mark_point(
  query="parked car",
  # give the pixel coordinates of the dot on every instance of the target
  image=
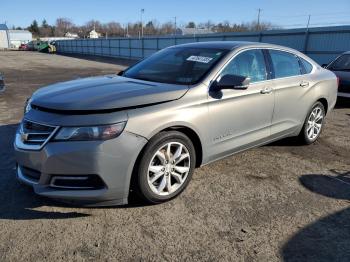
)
(93, 140)
(2, 83)
(341, 67)
(23, 47)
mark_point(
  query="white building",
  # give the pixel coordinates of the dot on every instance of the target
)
(94, 34)
(71, 35)
(4, 38)
(55, 38)
(18, 37)
(13, 38)
(193, 31)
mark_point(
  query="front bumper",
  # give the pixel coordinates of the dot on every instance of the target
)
(112, 161)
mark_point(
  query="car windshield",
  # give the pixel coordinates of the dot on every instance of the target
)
(341, 64)
(184, 66)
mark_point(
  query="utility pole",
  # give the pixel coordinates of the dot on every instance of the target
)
(308, 22)
(306, 41)
(175, 25)
(259, 12)
(142, 11)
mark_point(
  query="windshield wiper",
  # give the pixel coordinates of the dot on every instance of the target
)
(151, 79)
(143, 78)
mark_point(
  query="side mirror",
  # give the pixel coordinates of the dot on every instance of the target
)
(324, 65)
(120, 73)
(231, 82)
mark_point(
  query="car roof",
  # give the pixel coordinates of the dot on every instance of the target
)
(346, 53)
(229, 45)
(232, 45)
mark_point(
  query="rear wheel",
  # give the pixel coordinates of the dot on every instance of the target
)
(166, 167)
(313, 124)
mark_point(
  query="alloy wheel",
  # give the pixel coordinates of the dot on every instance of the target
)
(314, 123)
(168, 168)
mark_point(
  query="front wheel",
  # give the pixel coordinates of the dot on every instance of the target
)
(166, 167)
(313, 124)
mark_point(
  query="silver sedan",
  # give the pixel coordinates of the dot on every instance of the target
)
(95, 140)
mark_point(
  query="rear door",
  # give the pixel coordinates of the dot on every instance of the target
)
(291, 86)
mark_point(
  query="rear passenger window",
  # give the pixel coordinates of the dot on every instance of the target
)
(308, 67)
(284, 64)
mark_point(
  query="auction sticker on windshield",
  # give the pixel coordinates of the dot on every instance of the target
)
(200, 59)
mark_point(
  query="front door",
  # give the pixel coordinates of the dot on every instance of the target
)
(241, 118)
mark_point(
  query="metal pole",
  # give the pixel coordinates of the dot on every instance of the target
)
(142, 11)
(308, 22)
(306, 41)
(175, 25)
(259, 11)
(175, 32)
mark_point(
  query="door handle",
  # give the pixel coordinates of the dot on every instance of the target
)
(304, 84)
(266, 90)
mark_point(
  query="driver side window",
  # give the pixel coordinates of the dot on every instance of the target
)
(250, 64)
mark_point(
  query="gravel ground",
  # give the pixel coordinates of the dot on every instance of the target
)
(280, 202)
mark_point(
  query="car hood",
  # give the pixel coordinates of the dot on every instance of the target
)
(110, 92)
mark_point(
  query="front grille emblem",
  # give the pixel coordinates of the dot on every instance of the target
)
(33, 136)
(24, 137)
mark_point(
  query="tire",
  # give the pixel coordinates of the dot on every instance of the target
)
(313, 124)
(157, 167)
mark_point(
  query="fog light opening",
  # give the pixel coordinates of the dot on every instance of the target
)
(88, 182)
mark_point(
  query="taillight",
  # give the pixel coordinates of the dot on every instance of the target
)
(338, 81)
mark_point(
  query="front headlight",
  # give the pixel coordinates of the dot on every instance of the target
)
(89, 133)
(27, 105)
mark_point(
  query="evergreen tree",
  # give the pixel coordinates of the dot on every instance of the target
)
(34, 28)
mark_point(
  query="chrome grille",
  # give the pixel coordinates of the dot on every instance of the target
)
(34, 135)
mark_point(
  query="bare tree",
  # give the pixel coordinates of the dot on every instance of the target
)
(45, 29)
(261, 26)
(113, 29)
(152, 27)
(167, 28)
(62, 26)
(207, 25)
